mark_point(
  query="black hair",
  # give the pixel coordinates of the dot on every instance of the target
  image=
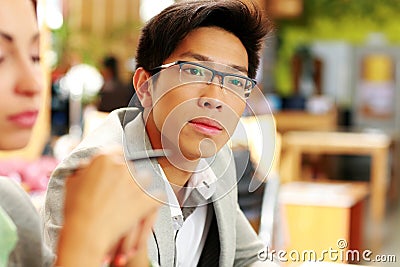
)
(163, 33)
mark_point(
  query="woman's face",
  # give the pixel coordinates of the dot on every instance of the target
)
(20, 73)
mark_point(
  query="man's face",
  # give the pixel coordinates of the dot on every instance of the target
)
(199, 119)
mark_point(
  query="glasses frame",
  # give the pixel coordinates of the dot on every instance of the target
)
(214, 72)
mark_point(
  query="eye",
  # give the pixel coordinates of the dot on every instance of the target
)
(236, 82)
(194, 71)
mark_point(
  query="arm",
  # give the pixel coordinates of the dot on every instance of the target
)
(52, 212)
(110, 133)
(103, 205)
(30, 249)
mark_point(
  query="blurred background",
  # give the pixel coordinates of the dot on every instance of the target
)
(331, 74)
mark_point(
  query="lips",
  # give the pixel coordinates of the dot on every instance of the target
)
(206, 126)
(24, 119)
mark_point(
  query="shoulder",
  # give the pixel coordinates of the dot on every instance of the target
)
(12, 194)
(30, 249)
(16, 202)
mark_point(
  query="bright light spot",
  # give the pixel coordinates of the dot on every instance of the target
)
(131, 64)
(150, 8)
(40, 15)
(81, 80)
(54, 18)
(51, 58)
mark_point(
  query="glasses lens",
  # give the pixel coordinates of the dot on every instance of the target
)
(203, 73)
(194, 73)
(239, 84)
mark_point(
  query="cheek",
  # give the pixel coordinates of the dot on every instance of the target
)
(8, 84)
(3, 124)
(38, 72)
(237, 104)
(173, 107)
(7, 100)
(169, 117)
(161, 110)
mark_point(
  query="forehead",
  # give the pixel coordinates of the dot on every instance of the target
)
(213, 44)
(17, 18)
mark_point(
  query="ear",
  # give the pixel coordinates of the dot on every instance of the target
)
(142, 87)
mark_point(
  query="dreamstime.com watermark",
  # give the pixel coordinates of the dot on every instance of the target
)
(338, 254)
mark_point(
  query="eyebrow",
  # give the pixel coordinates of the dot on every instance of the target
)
(10, 39)
(200, 57)
(6, 37)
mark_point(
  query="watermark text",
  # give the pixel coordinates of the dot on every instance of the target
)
(338, 254)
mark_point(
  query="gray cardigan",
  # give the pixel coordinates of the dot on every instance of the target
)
(239, 243)
(30, 250)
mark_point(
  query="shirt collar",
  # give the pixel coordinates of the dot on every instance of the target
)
(203, 179)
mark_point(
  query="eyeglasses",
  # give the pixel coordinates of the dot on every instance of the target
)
(192, 72)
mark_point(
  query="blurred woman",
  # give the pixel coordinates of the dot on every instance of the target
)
(90, 235)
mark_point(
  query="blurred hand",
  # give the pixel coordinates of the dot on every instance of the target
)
(105, 209)
(132, 249)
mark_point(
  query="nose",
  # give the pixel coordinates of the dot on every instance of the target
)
(210, 103)
(29, 81)
(211, 95)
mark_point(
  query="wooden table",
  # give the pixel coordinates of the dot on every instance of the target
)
(305, 121)
(375, 145)
(323, 215)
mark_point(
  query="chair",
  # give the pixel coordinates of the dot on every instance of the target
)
(269, 208)
(258, 135)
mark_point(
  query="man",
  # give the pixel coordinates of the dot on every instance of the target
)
(195, 64)
(114, 93)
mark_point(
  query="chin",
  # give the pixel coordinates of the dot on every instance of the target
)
(204, 150)
(15, 142)
(12, 146)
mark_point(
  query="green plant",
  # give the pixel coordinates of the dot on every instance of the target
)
(346, 20)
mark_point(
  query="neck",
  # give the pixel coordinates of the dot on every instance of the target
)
(177, 168)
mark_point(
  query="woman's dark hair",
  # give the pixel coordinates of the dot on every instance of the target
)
(34, 3)
(164, 32)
